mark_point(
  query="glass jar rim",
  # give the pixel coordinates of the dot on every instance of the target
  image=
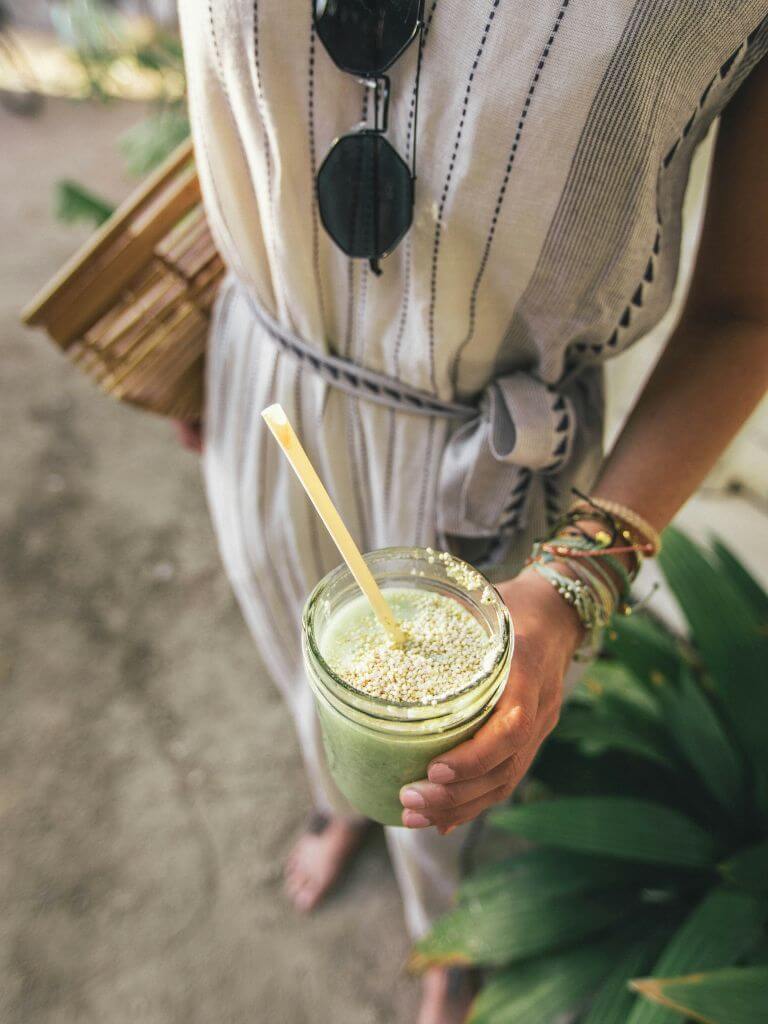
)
(381, 554)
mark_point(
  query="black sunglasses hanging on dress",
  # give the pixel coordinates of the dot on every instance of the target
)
(365, 189)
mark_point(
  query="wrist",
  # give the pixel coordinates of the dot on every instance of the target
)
(542, 607)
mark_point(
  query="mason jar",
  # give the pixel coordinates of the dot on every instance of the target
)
(375, 746)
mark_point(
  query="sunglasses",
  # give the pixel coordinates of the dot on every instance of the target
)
(364, 187)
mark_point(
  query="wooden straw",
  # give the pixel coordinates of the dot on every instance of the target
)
(286, 437)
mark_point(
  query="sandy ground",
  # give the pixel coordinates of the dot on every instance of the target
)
(150, 784)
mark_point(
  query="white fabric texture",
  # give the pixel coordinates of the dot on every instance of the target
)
(554, 144)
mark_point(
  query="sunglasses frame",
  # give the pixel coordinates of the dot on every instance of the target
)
(373, 80)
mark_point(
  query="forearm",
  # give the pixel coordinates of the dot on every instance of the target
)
(708, 380)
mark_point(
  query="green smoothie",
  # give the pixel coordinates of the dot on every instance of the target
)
(445, 648)
(386, 712)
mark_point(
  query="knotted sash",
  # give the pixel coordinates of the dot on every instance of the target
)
(519, 426)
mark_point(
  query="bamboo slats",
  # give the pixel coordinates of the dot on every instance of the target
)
(132, 307)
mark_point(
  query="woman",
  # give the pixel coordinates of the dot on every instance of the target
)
(553, 149)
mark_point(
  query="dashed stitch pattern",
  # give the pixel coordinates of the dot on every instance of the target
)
(454, 373)
(313, 171)
(625, 320)
(446, 188)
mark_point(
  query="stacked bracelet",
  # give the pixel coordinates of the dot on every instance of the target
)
(587, 574)
(647, 535)
(580, 596)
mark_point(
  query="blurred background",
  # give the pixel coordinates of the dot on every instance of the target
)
(150, 783)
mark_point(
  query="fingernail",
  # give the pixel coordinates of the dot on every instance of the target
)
(412, 798)
(441, 773)
(414, 820)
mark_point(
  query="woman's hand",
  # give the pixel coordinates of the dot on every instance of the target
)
(190, 434)
(486, 769)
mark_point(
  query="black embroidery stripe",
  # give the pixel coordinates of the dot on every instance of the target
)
(314, 530)
(359, 336)
(535, 78)
(346, 375)
(403, 309)
(412, 107)
(267, 454)
(389, 460)
(446, 189)
(215, 39)
(352, 345)
(425, 482)
(222, 348)
(362, 476)
(637, 299)
(313, 172)
(350, 338)
(581, 254)
(233, 254)
(607, 111)
(350, 307)
(552, 501)
(362, 304)
(408, 240)
(353, 411)
(353, 431)
(618, 143)
(262, 108)
(267, 601)
(362, 482)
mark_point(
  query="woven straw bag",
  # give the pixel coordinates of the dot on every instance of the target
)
(132, 307)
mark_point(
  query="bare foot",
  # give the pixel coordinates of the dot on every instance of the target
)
(445, 996)
(317, 859)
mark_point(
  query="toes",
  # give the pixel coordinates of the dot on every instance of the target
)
(293, 884)
(306, 898)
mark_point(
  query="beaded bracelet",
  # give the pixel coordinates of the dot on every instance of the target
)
(581, 545)
(596, 583)
(598, 593)
(593, 592)
(583, 600)
(648, 534)
(601, 582)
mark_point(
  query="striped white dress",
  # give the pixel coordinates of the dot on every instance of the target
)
(554, 144)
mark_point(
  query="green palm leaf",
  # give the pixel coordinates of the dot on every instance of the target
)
(750, 590)
(596, 732)
(636, 830)
(759, 955)
(737, 995)
(647, 650)
(749, 868)
(605, 681)
(725, 925)
(699, 734)
(614, 1001)
(727, 633)
(508, 925)
(540, 990)
(549, 873)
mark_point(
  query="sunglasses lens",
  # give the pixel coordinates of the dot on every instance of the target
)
(365, 195)
(365, 36)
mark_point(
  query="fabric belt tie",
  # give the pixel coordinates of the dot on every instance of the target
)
(519, 427)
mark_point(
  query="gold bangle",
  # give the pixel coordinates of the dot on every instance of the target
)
(628, 516)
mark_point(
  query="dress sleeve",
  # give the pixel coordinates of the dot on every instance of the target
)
(745, 59)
